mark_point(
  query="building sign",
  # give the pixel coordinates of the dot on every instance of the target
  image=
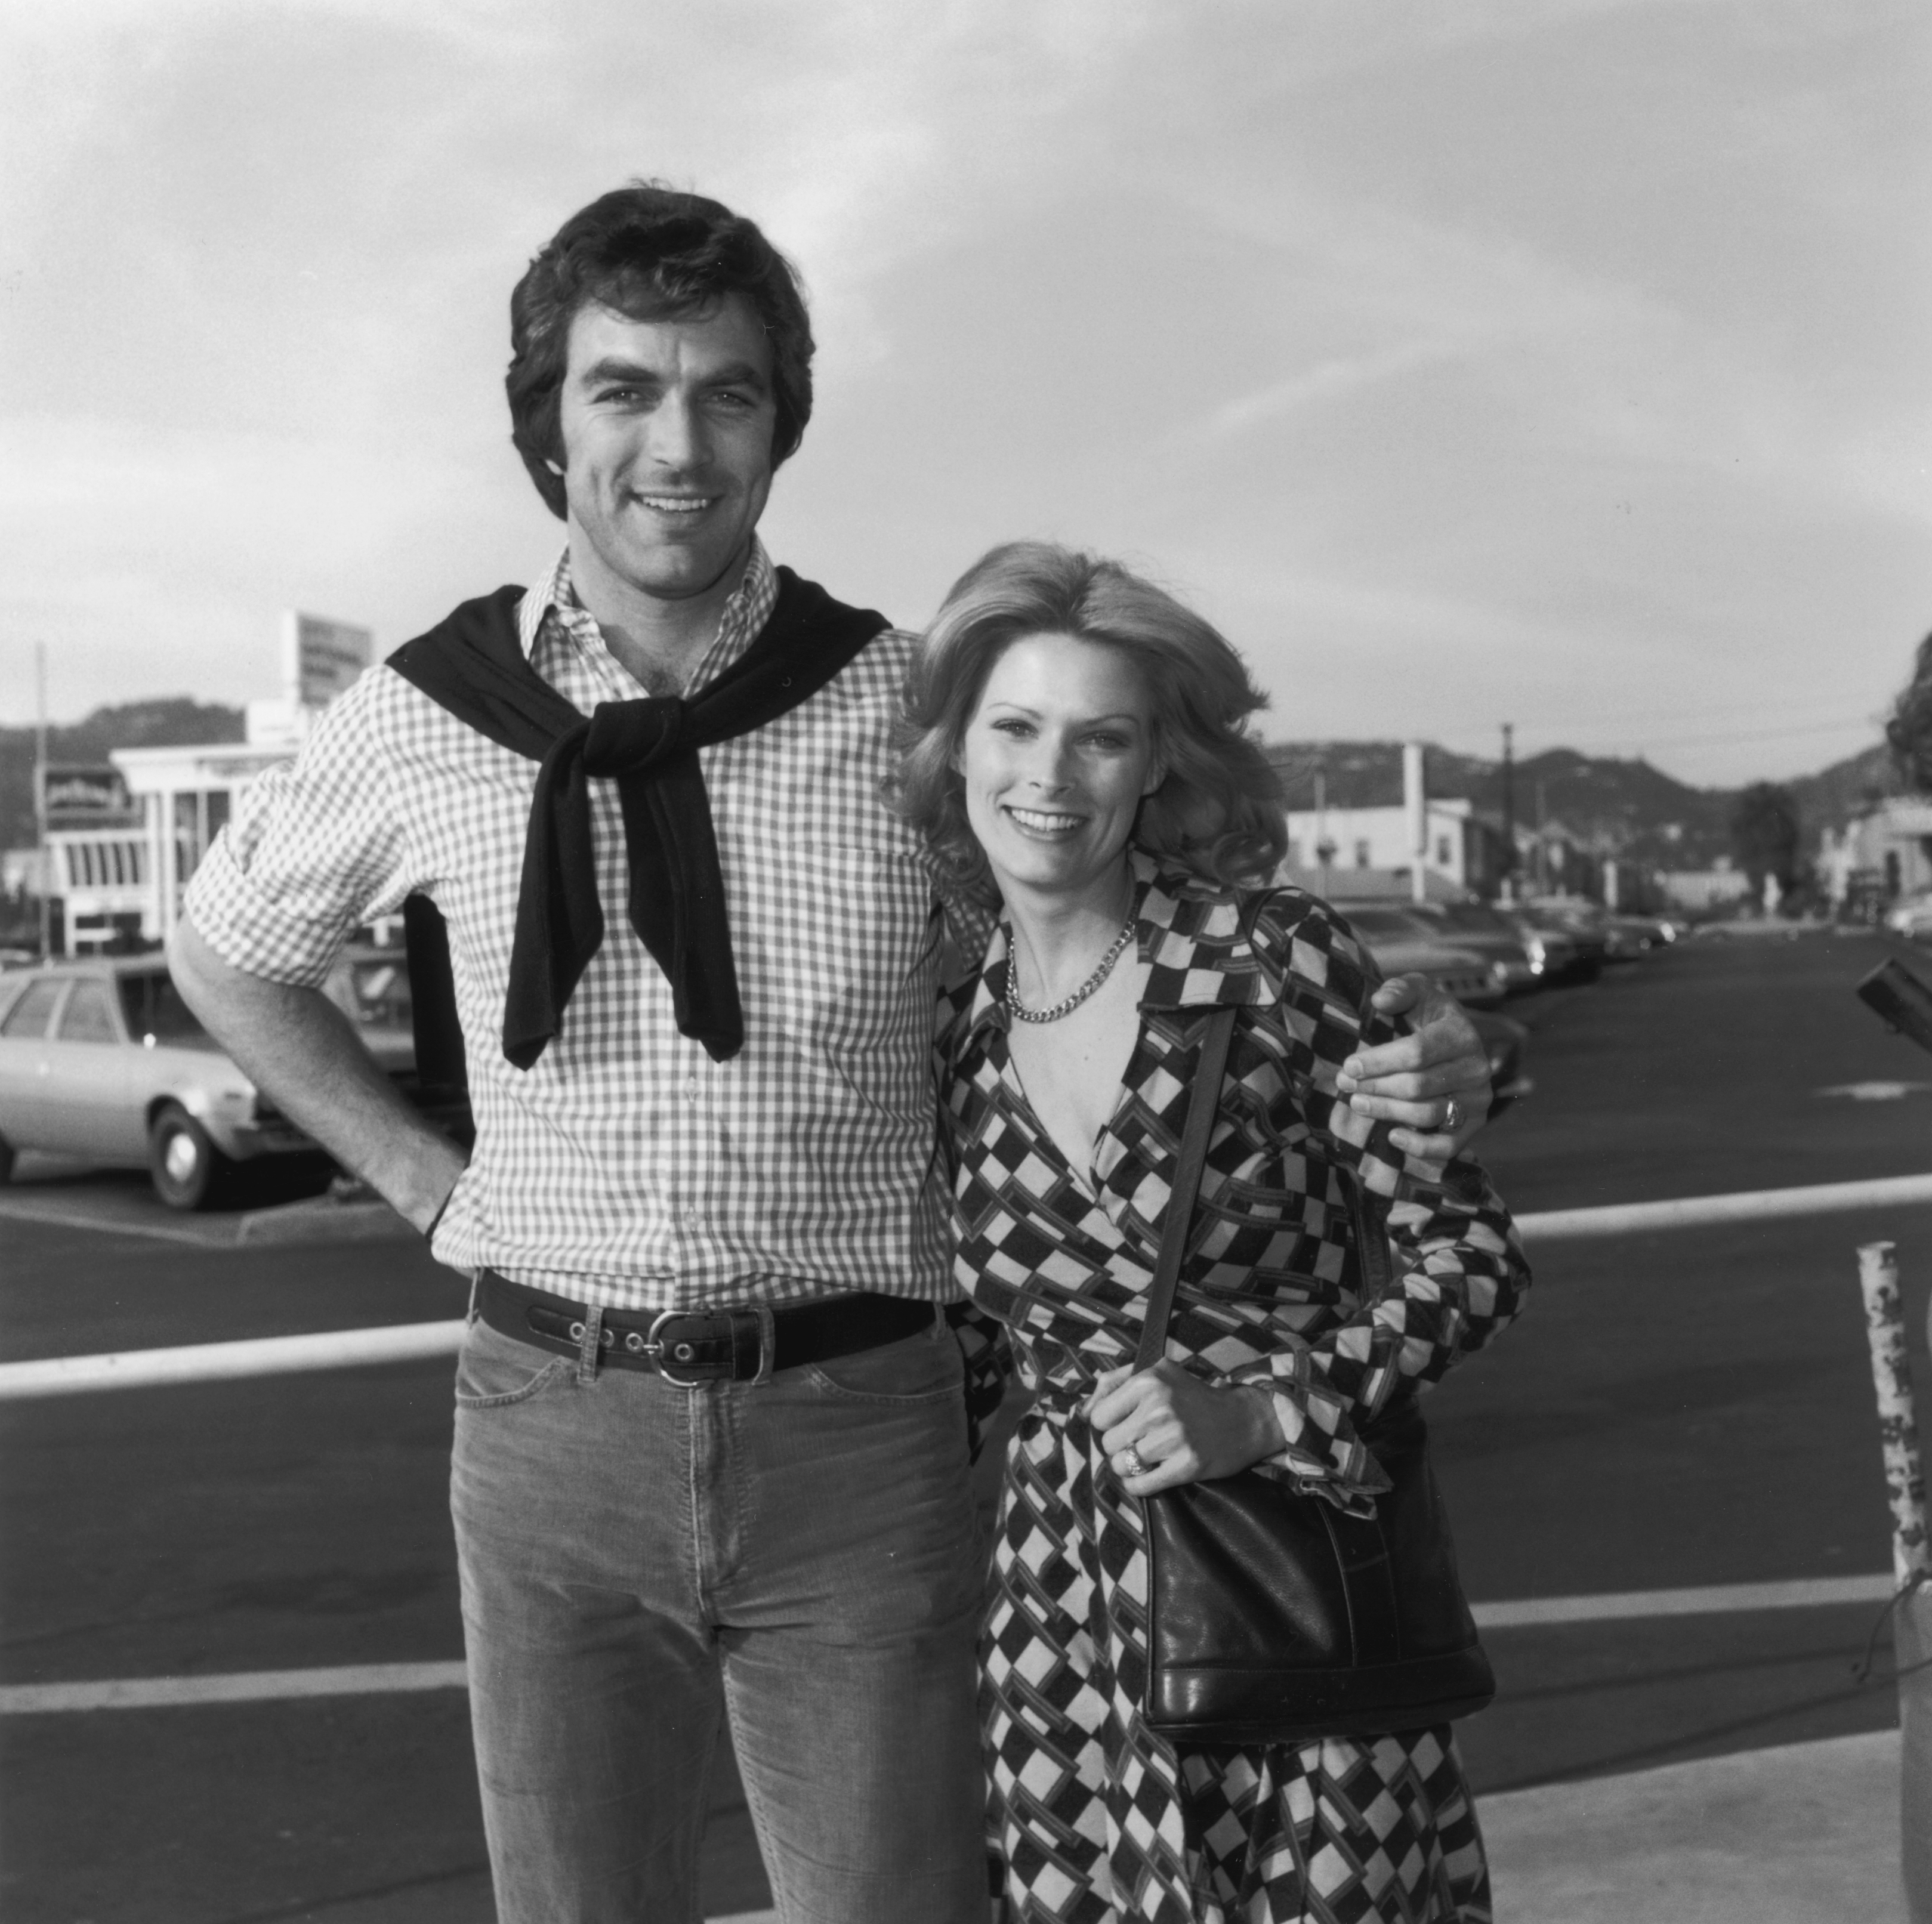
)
(321, 658)
(86, 798)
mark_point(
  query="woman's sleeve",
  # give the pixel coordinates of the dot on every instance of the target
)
(1459, 1272)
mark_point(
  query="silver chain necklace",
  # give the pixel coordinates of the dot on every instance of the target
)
(1068, 1004)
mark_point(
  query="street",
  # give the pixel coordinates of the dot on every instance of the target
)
(1676, 1410)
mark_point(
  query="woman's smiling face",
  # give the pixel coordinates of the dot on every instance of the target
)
(1056, 760)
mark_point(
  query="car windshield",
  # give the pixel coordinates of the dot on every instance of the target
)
(1473, 916)
(1387, 921)
(156, 1014)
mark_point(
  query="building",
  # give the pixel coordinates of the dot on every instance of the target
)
(123, 841)
(1885, 852)
(1361, 852)
(1698, 890)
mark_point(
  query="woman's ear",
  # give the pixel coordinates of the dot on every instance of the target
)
(1156, 774)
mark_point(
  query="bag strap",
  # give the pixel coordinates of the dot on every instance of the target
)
(1204, 1103)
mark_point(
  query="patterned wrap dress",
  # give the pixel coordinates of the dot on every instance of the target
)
(1093, 1818)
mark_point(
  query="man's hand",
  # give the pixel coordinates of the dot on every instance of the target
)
(1436, 1082)
(295, 1045)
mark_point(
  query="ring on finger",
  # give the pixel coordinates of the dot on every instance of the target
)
(1131, 1463)
(1452, 1114)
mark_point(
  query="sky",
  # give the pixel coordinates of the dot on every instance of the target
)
(1562, 362)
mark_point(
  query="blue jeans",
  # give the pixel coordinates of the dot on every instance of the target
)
(800, 1555)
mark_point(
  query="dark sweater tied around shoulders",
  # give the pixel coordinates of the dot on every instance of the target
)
(473, 665)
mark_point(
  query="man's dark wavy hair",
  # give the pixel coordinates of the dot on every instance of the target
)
(651, 254)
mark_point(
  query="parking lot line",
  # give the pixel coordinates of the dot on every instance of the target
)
(1803, 1593)
(149, 1693)
(250, 1686)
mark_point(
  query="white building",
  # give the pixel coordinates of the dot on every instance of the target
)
(1370, 845)
(118, 884)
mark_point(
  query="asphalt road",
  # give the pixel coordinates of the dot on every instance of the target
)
(1675, 1410)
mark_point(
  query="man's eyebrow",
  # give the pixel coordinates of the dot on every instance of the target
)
(634, 374)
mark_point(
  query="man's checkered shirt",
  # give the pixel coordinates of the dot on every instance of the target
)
(626, 1167)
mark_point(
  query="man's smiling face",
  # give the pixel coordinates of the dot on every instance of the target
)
(666, 428)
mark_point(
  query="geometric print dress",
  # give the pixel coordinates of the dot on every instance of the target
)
(1094, 1819)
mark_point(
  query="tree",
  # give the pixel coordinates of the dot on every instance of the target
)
(1764, 835)
(1909, 732)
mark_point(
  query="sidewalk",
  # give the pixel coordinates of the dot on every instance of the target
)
(1806, 1834)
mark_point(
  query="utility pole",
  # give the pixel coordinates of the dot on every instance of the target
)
(1415, 806)
(43, 861)
(1324, 849)
(1509, 812)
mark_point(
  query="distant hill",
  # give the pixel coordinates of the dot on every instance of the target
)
(1627, 808)
(174, 722)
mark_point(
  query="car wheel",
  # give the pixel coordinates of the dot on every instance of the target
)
(185, 1168)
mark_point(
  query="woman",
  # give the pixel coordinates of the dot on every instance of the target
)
(1074, 745)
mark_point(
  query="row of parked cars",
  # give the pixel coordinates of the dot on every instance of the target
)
(101, 1059)
(1482, 953)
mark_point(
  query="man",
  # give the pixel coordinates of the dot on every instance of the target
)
(710, 1453)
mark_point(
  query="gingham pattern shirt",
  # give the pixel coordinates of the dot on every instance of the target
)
(626, 1167)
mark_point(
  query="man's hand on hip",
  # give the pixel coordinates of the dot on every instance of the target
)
(1434, 1082)
(297, 1047)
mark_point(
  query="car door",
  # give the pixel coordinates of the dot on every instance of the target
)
(89, 1112)
(24, 1064)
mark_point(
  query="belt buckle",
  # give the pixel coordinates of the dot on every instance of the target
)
(657, 1350)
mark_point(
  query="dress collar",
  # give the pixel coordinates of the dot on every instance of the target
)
(1188, 930)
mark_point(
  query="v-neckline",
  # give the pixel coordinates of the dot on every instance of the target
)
(1089, 1178)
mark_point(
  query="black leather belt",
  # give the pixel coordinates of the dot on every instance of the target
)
(690, 1346)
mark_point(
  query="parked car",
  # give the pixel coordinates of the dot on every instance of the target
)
(1911, 916)
(1573, 946)
(102, 1060)
(1505, 1043)
(1401, 948)
(1477, 926)
(1629, 937)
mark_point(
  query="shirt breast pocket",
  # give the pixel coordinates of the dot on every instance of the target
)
(851, 964)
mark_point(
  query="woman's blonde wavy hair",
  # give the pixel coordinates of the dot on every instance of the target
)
(1218, 810)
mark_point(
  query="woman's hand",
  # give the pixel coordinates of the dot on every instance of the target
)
(1434, 1082)
(1183, 1429)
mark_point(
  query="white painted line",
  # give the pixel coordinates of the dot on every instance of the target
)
(1805, 1593)
(747, 1917)
(1742, 1206)
(259, 1686)
(254, 1686)
(203, 1363)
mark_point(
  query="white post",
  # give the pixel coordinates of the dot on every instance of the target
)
(1911, 1631)
(1415, 802)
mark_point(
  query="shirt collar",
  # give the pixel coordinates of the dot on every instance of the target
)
(746, 610)
(1189, 931)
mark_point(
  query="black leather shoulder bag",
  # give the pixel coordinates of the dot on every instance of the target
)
(1273, 1617)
